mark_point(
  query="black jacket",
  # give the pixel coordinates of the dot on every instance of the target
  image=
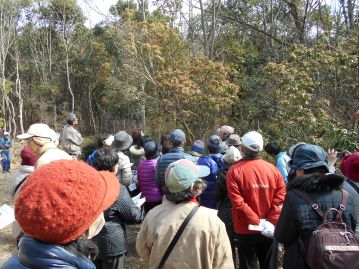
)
(111, 241)
(299, 219)
(224, 206)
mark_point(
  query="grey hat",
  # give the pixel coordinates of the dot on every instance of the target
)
(177, 135)
(71, 117)
(234, 140)
(122, 140)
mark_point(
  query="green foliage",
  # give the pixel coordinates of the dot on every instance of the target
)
(301, 94)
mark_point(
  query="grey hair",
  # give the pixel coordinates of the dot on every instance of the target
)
(187, 194)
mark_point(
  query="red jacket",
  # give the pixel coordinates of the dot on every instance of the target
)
(257, 190)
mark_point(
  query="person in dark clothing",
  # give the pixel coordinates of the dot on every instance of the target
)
(214, 162)
(111, 241)
(298, 219)
(165, 143)
(136, 151)
(220, 194)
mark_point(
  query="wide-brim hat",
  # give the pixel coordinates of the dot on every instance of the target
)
(60, 200)
(122, 141)
(38, 130)
(307, 156)
(233, 155)
(234, 140)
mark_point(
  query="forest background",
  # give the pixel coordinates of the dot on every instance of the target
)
(288, 68)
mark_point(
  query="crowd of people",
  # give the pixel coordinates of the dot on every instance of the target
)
(218, 204)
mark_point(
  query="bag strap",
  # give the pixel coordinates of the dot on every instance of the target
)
(343, 202)
(309, 200)
(355, 187)
(20, 183)
(177, 236)
(315, 206)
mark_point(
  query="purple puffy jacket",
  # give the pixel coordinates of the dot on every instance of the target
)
(146, 179)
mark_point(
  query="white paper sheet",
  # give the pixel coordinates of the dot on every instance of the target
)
(138, 200)
(7, 215)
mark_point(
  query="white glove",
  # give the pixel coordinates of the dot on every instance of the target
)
(268, 229)
(258, 227)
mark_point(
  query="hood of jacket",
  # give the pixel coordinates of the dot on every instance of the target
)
(316, 183)
(26, 169)
(35, 254)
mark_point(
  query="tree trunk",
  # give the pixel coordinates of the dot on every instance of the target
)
(204, 30)
(19, 92)
(345, 14)
(3, 87)
(92, 118)
(143, 107)
(68, 79)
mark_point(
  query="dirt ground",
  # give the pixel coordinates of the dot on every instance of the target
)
(7, 243)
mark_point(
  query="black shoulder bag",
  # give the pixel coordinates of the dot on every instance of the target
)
(355, 187)
(177, 236)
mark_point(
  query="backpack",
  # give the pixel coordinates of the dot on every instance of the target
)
(332, 244)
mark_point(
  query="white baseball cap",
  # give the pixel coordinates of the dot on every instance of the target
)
(253, 141)
(38, 130)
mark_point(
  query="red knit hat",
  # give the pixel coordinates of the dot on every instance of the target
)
(60, 200)
(27, 156)
(350, 166)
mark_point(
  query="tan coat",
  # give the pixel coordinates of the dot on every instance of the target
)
(48, 153)
(203, 244)
(71, 140)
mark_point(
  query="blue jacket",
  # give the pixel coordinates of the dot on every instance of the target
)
(5, 143)
(33, 255)
(282, 160)
(218, 159)
(175, 154)
(207, 198)
(91, 157)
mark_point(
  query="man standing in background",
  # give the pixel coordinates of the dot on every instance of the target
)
(71, 138)
(256, 190)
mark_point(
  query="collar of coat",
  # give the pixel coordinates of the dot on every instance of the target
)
(316, 183)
